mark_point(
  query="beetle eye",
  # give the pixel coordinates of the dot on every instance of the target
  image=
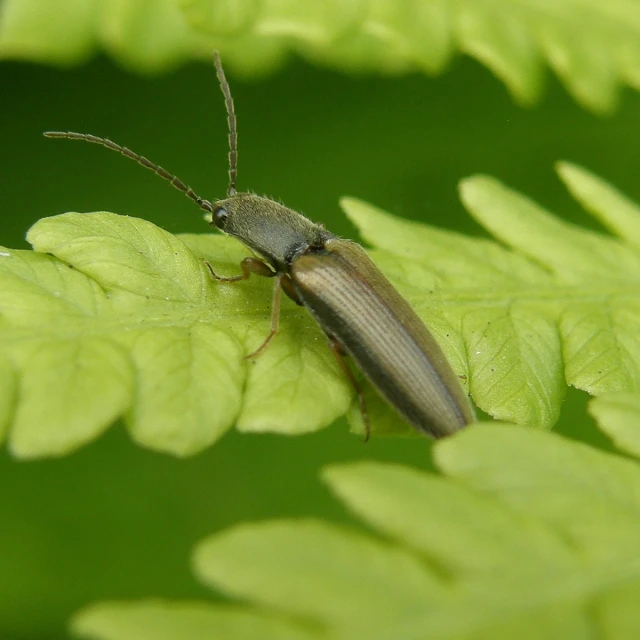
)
(220, 217)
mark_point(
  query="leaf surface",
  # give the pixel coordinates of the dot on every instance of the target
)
(593, 47)
(525, 534)
(548, 304)
(166, 620)
(113, 317)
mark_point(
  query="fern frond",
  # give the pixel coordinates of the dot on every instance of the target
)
(551, 304)
(525, 534)
(594, 48)
(113, 317)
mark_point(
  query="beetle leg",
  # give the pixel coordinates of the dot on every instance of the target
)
(275, 316)
(339, 353)
(247, 266)
(288, 288)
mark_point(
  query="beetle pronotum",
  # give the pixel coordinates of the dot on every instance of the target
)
(359, 310)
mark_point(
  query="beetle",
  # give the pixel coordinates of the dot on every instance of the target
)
(359, 310)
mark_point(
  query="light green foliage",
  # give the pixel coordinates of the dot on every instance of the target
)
(147, 35)
(617, 414)
(559, 305)
(594, 47)
(165, 620)
(112, 316)
(525, 535)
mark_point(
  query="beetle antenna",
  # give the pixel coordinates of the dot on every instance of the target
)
(157, 169)
(231, 122)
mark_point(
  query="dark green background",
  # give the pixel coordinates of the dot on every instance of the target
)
(116, 521)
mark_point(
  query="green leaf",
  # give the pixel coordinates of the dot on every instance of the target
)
(591, 499)
(37, 30)
(512, 347)
(559, 303)
(165, 620)
(615, 211)
(7, 394)
(581, 49)
(618, 415)
(501, 39)
(388, 497)
(594, 48)
(188, 391)
(347, 576)
(526, 535)
(529, 535)
(149, 35)
(137, 329)
(295, 386)
(567, 251)
(70, 391)
(121, 319)
(222, 18)
(122, 253)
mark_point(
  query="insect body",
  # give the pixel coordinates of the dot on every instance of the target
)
(357, 307)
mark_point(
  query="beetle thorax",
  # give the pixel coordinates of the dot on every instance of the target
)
(272, 230)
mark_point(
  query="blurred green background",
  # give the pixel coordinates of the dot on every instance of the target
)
(116, 521)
